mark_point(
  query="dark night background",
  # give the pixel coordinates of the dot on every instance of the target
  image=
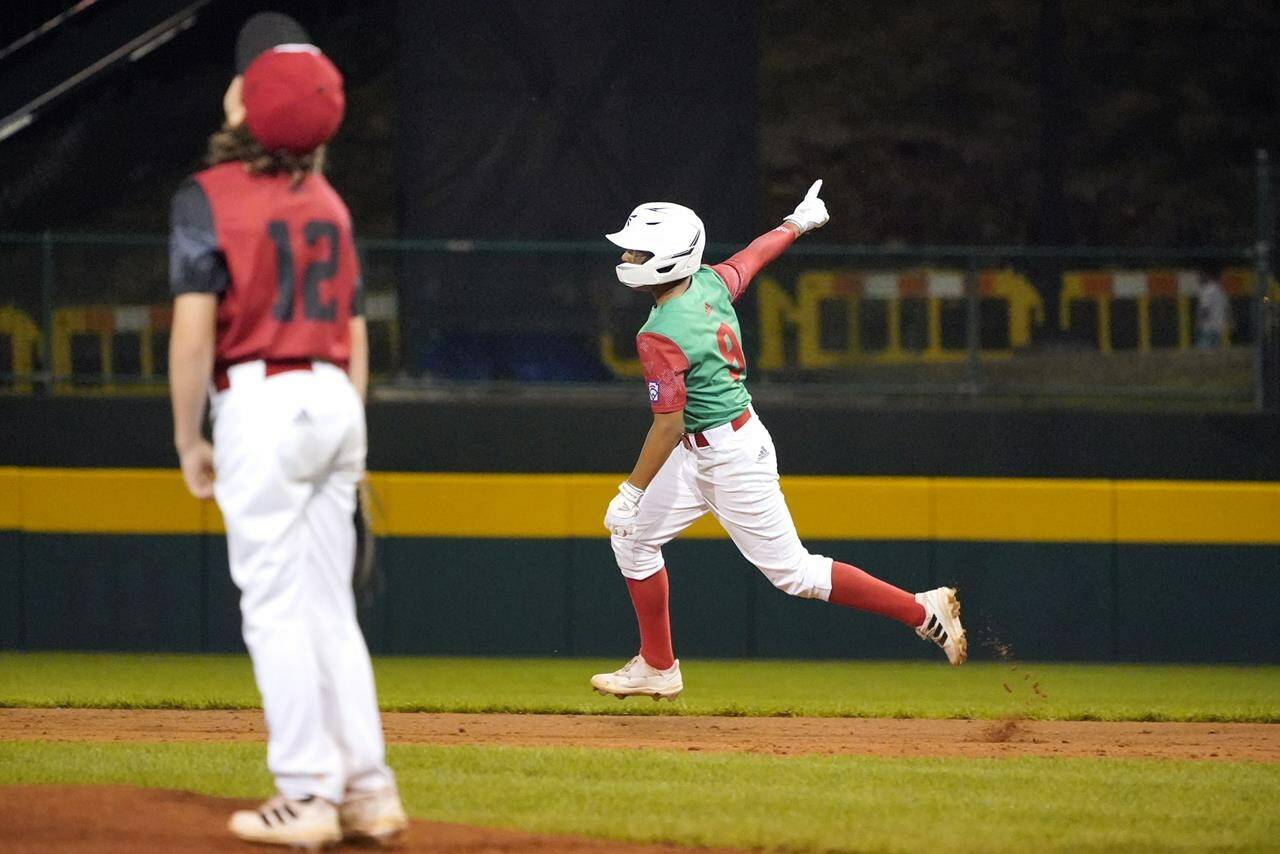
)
(1084, 125)
(991, 121)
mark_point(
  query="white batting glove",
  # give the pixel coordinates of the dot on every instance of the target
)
(811, 213)
(620, 518)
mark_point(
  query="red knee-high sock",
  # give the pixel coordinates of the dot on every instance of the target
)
(853, 588)
(650, 600)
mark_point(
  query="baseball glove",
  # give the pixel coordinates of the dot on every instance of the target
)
(365, 578)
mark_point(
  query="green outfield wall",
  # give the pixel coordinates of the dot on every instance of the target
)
(507, 564)
(504, 432)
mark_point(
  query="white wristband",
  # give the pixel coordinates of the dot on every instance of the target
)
(631, 492)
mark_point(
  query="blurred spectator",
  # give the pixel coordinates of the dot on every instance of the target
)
(1213, 315)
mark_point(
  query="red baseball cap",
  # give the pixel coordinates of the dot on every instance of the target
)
(293, 98)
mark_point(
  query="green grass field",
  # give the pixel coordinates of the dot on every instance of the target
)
(852, 689)
(743, 800)
(751, 801)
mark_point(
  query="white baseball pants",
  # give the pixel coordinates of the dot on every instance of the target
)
(288, 452)
(735, 478)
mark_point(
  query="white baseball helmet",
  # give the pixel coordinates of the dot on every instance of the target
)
(674, 235)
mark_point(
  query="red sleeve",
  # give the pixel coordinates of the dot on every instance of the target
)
(664, 366)
(738, 271)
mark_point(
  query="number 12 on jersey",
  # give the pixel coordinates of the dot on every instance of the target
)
(317, 272)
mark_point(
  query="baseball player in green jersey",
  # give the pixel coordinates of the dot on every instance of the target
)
(708, 451)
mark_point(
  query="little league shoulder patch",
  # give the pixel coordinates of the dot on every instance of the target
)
(653, 392)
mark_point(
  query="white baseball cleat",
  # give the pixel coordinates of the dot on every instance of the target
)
(942, 623)
(637, 678)
(373, 816)
(310, 823)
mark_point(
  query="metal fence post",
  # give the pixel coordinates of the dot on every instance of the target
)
(1262, 272)
(46, 304)
(973, 326)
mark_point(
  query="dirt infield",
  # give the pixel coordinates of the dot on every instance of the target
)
(779, 736)
(124, 819)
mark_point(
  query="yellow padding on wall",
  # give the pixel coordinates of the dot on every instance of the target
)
(1024, 509)
(1154, 511)
(10, 499)
(110, 501)
(862, 508)
(146, 501)
(461, 505)
(558, 506)
(536, 506)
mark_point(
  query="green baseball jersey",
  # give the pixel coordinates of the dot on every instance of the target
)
(691, 352)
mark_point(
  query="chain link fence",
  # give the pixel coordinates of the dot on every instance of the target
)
(85, 313)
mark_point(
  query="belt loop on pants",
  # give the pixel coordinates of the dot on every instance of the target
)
(701, 440)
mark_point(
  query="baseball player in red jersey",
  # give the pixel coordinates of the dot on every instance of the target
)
(267, 320)
(707, 450)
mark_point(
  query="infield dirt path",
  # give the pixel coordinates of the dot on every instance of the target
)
(779, 736)
(125, 820)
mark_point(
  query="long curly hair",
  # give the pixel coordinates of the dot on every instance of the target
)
(237, 144)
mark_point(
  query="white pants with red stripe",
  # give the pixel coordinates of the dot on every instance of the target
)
(289, 451)
(735, 478)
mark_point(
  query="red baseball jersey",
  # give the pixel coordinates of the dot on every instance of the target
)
(281, 258)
